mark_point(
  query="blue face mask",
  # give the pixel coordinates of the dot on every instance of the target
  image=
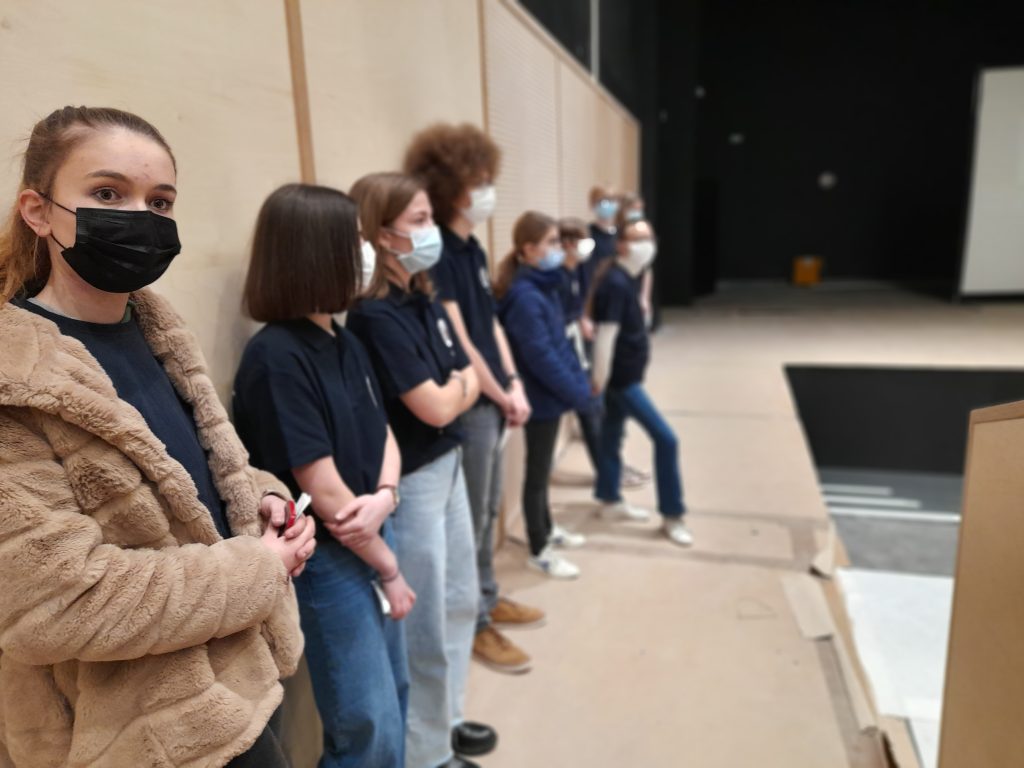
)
(636, 214)
(606, 209)
(553, 259)
(426, 249)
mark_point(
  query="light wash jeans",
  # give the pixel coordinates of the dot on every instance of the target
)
(357, 659)
(434, 541)
(482, 426)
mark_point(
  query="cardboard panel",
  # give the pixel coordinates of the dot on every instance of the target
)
(214, 79)
(985, 674)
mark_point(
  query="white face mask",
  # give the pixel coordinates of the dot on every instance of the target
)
(369, 263)
(482, 202)
(639, 257)
(426, 249)
(584, 248)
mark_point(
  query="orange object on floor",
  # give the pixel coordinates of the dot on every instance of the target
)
(807, 270)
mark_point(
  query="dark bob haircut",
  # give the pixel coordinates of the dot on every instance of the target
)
(305, 254)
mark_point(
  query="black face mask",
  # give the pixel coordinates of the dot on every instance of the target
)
(120, 251)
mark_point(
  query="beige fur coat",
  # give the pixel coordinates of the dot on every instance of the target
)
(131, 634)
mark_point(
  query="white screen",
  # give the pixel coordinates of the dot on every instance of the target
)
(994, 254)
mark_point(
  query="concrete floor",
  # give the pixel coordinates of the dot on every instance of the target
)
(926, 546)
(659, 656)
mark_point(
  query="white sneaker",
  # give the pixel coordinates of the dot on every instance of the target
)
(553, 564)
(634, 478)
(564, 539)
(677, 533)
(621, 510)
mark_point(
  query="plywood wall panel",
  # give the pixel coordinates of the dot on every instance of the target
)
(522, 112)
(380, 71)
(578, 132)
(215, 79)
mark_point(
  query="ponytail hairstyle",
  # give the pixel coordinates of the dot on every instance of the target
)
(24, 257)
(529, 228)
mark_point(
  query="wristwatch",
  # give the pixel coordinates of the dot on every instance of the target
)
(394, 493)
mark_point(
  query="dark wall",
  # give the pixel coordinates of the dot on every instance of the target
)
(629, 70)
(878, 93)
(568, 21)
(674, 166)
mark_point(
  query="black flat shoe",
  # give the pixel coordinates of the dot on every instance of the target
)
(473, 739)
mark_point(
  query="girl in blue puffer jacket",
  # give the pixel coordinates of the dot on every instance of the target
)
(530, 309)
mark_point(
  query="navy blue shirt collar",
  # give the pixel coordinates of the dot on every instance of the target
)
(456, 243)
(311, 334)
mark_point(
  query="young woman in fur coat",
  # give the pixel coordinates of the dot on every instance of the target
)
(147, 614)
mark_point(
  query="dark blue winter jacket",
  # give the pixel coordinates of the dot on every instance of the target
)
(531, 313)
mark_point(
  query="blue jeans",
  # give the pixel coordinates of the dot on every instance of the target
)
(357, 659)
(482, 426)
(633, 402)
(435, 550)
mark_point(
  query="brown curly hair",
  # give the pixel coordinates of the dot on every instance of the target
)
(449, 159)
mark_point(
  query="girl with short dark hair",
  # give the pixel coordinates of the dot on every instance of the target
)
(308, 406)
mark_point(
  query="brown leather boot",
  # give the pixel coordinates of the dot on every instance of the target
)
(494, 650)
(508, 614)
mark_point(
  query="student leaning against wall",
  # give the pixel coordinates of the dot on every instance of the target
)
(458, 165)
(427, 382)
(147, 613)
(528, 288)
(308, 407)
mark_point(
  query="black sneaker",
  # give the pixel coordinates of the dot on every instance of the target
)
(473, 739)
(458, 762)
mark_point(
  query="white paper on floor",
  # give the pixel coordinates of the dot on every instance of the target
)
(901, 628)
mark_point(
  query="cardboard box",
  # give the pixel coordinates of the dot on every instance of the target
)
(984, 697)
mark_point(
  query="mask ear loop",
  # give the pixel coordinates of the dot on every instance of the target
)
(399, 233)
(51, 200)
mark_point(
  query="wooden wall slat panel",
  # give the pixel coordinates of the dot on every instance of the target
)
(522, 116)
(214, 78)
(579, 131)
(380, 71)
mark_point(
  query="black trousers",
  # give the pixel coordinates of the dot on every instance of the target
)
(540, 453)
(265, 753)
(590, 426)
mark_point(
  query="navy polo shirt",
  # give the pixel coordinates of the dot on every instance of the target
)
(617, 300)
(570, 292)
(141, 381)
(302, 394)
(410, 340)
(462, 276)
(605, 244)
